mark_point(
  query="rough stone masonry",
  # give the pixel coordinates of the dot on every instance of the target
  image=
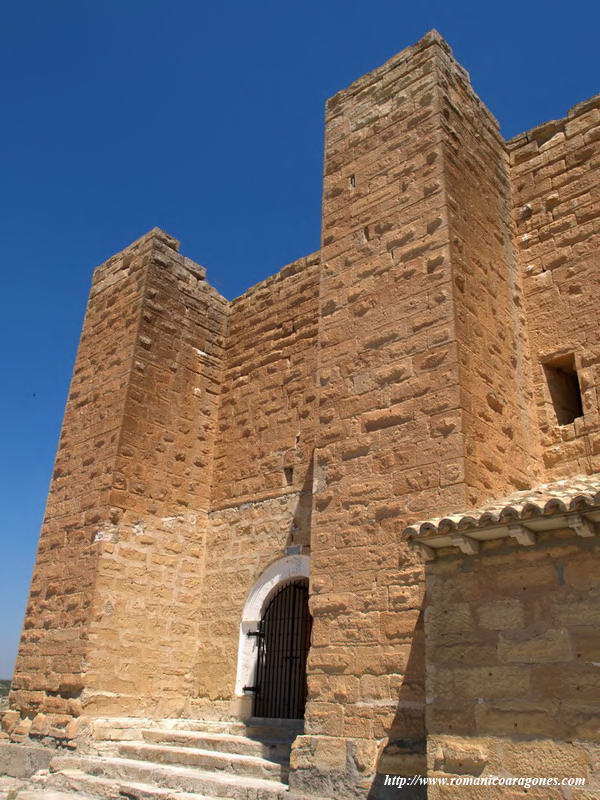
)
(409, 418)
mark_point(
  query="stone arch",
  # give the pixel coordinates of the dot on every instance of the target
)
(281, 571)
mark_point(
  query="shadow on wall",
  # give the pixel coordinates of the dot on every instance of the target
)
(299, 533)
(404, 754)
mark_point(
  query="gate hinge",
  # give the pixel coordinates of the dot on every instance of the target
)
(254, 633)
(250, 689)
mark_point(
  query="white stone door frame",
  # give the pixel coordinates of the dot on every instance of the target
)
(277, 574)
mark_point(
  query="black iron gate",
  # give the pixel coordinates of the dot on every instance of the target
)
(283, 642)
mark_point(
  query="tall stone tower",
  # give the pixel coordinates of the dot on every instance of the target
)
(425, 388)
(112, 622)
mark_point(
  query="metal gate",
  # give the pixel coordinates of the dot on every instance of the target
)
(283, 642)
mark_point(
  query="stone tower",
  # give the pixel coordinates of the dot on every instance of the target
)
(403, 425)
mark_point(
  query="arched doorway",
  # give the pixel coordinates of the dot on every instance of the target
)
(281, 573)
(283, 644)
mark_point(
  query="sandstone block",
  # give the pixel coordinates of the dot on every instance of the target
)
(559, 759)
(330, 754)
(502, 614)
(488, 682)
(525, 579)
(575, 612)
(521, 718)
(325, 719)
(531, 648)
(583, 574)
(403, 597)
(449, 618)
(460, 757)
(9, 720)
(22, 760)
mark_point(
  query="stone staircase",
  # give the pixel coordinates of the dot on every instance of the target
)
(185, 760)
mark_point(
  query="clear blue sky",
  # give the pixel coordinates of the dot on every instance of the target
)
(204, 118)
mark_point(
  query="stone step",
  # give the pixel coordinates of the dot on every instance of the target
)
(280, 730)
(213, 726)
(221, 742)
(168, 776)
(78, 781)
(234, 763)
(255, 727)
(294, 726)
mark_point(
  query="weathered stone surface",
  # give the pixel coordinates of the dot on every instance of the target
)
(524, 687)
(461, 758)
(560, 760)
(501, 615)
(22, 760)
(531, 648)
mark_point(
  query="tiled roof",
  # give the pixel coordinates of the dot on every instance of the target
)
(571, 503)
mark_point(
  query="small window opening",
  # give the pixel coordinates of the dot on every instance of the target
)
(352, 181)
(565, 392)
(289, 475)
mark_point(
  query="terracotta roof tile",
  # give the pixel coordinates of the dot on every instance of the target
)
(576, 495)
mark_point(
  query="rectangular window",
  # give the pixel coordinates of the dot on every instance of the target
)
(563, 385)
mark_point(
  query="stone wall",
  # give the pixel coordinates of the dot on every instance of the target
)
(501, 449)
(512, 651)
(556, 180)
(268, 399)
(243, 541)
(262, 487)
